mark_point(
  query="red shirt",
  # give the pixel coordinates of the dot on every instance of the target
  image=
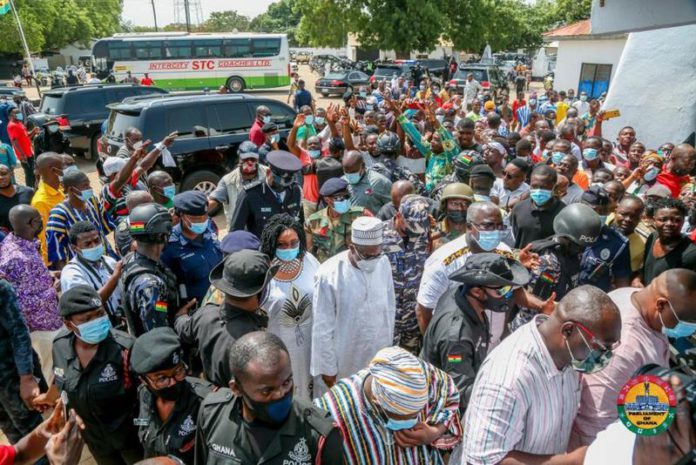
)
(672, 182)
(516, 105)
(20, 138)
(256, 135)
(310, 186)
(147, 81)
(7, 455)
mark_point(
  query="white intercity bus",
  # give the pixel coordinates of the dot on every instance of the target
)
(187, 61)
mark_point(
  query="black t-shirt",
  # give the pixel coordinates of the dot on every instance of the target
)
(682, 256)
(529, 223)
(23, 195)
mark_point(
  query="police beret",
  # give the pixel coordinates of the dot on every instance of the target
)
(158, 349)
(333, 186)
(283, 161)
(482, 170)
(79, 299)
(595, 195)
(191, 203)
(239, 240)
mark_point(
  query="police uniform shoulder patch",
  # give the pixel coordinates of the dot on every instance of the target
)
(220, 396)
(200, 387)
(123, 339)
(605, 254)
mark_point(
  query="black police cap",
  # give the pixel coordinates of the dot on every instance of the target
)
(491, 270)
(283, 161)
(78, 299)
(596, 195)
(158, 349)
(191, 203)
(333, 186)
(482, 170)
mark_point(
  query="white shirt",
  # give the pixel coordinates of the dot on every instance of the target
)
(506, 195)
(523, 401)
(471, 90)
(353, 316)
(442, 263)
(76, 272)
(614, 445)
(582, 107)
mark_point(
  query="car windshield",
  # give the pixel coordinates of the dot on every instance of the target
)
(51, 104)
(387, 71)
(119, 122)
(479, 74)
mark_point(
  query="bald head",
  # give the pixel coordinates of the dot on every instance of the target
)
(482, 212)
(25, 221)
(399, 190)
(135, 198)
(352, 162)
(592, 308)
(678, 285)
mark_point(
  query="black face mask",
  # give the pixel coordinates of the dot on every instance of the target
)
(169, 393)
(281, 182)
(456, 216)
(275, 412)
(495, 305)
(462, 175)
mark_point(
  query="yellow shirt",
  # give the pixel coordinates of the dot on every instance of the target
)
(44, 200)
(561, 111)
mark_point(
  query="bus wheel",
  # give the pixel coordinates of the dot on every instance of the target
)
(235, 84)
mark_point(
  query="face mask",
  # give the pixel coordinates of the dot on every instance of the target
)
(95, 331)
(273, 413)
(198, 228)
(440, 118)
(489, 240)
(583, 98)
(281, 181)
(86, 195)
(532, 102)
(266, 119)
(309, 120)
(93, 254)
(422, 88)
(287, 255)
(682, 329)
(314, 154)
(594, 362)
(70, 169)
(651, 174)
(319, 120)
(557, 157)
(540, 196)
(398, 425)
(456, 216)
(52, 129)
(368, 266)
(20, 117)
(680, 171)
(481, 198)
(363, 94)
(496, 305)
(589, 154)
(341, 206)
(352, 178)
(169, 393)
(275, 138)
(169, 191)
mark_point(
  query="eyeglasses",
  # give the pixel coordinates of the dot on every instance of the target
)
(504, 292)
(178, 373)
(593, 341)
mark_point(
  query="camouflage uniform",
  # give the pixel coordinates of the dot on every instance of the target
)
(330, 236)
(407, 263)
(442, 235)
(462, 163)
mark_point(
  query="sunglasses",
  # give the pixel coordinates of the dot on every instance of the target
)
(504, 292)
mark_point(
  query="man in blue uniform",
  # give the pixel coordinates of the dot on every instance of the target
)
(278, 193)
(193, 249)
(607, 263)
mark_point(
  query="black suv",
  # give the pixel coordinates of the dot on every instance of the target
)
(210, 126)
(83, 110)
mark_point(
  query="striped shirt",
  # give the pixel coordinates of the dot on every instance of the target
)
(366, 441)
(520, 401)
(61, 219)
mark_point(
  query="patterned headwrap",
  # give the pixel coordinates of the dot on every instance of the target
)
(399, 382)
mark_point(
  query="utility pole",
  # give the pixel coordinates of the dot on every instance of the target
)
(188, 15)
(154, 14)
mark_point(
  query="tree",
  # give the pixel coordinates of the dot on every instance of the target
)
(49, 24)
(225, 21)
(281, 17)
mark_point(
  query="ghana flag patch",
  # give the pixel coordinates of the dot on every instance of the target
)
(548, 278)
(161, 306)
(452, 358)
(138, 226)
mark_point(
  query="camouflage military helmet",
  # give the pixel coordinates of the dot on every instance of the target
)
(415, 211)
(467, 159)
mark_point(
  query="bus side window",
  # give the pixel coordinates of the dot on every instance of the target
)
(237, 48)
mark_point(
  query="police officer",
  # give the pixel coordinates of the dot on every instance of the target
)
(278, 193)
(458, 337)
(607, 263)
(463, 164)
(454, 203)
(150, 294)
(257, 420)
(169, 400)
(328, 230)
(90, 361)
(51, 139)
(388, 149)
(193, 249)
(242, 278)
(575, 227)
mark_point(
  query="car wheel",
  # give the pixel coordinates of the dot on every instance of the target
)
(202, 180)
(235, 84)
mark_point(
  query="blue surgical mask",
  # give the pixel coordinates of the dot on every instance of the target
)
(319, 120)
(595, 361)
(557, 157)
(583, 98)
(275, 138)
(94, 254)
(651, 174)
(369, 107)
(363, 94)
(266, 119)
(481, 198)
(86, 195)
(489, 240)
(589, 154)
(169, 191)
(94, 331)
(70, 169)
(287, 255)
(682, 329)
(341, 206)
(440, 118)
(540, 196)
(398, 425)
(314, 153)
(20, 117)
(198, 228)
(352, 178)
(52, 128)
(309, 119)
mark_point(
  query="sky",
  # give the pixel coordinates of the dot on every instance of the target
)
(139, 12)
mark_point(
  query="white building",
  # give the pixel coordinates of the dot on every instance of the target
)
(585, 61)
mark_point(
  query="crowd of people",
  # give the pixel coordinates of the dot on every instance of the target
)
(416, 276)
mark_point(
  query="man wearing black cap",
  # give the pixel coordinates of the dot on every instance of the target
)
(90, 361)
(458, 338)
(169, 400)
(607, 263)
(328, 229)
(193, 249)
(261, 200)
(150, 292)
(232, 184)
(242, 277)
(51, 139)
(481, 181)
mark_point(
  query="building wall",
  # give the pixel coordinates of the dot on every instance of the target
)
(573, 53)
